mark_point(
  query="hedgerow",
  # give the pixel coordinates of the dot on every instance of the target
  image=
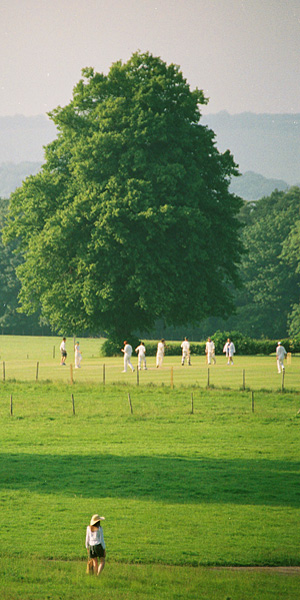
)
(244, 345)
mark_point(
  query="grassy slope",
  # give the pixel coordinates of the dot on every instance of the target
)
(216, 487)
(37, 580)
(178, 490)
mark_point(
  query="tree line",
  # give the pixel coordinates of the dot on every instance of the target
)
(130, 226)
(266, 304)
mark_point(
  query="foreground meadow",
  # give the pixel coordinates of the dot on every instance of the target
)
(182, 492)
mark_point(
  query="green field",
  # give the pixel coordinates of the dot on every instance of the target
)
(182, 493)
(25, 358)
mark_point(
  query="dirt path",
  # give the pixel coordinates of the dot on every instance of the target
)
(283, 570)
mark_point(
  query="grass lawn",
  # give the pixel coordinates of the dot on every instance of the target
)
(181, 492)
(19, 356)
(56, 580)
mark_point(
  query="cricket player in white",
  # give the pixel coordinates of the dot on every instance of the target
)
(160, 353)
(210, 351)
(229, 350)
(78, 356)
(141, 356)
(185, 346)
(63, 352)
(127, 356)
(280, 356)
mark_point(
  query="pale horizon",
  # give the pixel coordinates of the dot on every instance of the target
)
(244, 54)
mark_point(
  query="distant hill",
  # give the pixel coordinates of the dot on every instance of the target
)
(249, 186)
(264, 143)
(252, 186)
(12, 175)
(22, 138)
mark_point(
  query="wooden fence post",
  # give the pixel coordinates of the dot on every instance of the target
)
(137, 376)
(103, 374)
(130, 404)
(282, 381)
(289, 358)
(3, 370)
(244, 380)
(53, 351)
(37, 371)
(208, 377)
(252, 401)
(11, 406)
(73, 404)
(192, 404)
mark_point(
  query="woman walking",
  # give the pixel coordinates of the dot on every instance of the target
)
(94, 543)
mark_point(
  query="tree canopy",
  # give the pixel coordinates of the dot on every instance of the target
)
(11, 320)
(271, 287)
(267, 305)
(130, 218)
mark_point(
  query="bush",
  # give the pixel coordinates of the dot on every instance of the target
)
(244, 345)
(113, 348)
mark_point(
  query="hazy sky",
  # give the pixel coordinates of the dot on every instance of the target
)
(244, 54)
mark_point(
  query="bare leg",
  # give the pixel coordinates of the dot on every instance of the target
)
(95, 565)
(101, 566)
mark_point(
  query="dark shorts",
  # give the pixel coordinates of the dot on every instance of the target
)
(64, 354)
(96, 551)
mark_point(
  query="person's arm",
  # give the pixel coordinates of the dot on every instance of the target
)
(87, 539)
(102, 542)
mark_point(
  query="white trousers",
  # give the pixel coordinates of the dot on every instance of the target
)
(159, 360)
(142, 358)
(280, 365)
(127, 362)
(210, 357)
(78, 359)
(185, 355)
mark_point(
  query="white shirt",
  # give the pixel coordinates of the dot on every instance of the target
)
(141, 350)
(185, 346)
(93, 538)
(62, 346)
(280, 352)
(210, 347)
(160, 349)
(229, 349)
(128, 350)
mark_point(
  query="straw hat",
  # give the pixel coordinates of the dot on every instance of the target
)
(96, 519)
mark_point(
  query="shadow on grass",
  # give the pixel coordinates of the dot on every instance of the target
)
(169, 479)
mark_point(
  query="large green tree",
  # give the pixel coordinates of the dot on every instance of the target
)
(270, 275)
(130, 218)
(291, 257)
(11, 320)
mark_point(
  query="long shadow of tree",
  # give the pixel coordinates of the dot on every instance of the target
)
(175, 479)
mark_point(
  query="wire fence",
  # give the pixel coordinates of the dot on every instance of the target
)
(247, 373)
